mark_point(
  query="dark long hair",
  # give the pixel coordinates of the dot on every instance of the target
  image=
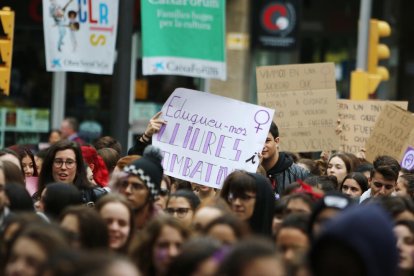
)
(241, 181)
(46, 176)
(23, 152)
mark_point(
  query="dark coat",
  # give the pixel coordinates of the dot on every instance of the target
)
(285, 172)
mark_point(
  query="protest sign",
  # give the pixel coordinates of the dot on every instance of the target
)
(408, 159)
(391, 134)
(357, 122)
(304, 97)
(80, 35)
(208, 136)
(31, 184)
(184, 38)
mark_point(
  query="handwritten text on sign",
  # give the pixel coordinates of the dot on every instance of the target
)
(357, 122)
(304, 97)
(208, 136)
(391, 134)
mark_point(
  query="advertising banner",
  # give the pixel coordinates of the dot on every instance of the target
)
(206, 136)
(184, 37)
(80, 36)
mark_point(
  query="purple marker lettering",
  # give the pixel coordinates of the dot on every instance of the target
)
(184, 115)
(187, 164)
(194, 118)
(208, 173)
(203, 120)
(177, 113)
(197, 169)
(174, 159)
(165, 159)
(167, 113)
(174, 134)
(220, 146)
(211, 123)
(208, 142)
(221, 175)
(194, 146)
(187, 137)
(161, 132)
(238, 151)
(194, 139)
(261, 117)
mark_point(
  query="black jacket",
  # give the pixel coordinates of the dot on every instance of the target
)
(138, 147)
(285, 172)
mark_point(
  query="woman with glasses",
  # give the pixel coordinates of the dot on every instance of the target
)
(64, 163)
(251, 199)
(165, 187)
(182, 205)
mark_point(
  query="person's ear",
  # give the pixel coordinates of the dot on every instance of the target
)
(277, 140)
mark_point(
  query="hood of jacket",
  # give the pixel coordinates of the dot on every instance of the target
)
(282, 164)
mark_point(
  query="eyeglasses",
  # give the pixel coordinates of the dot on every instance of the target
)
(386, 186)
(164, 192)
(181, 212)
(69, 163)
(135, 186)
(243, 197)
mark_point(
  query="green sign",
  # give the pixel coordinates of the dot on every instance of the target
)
(184, 37)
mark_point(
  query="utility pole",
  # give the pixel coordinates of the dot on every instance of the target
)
(122, 77)
(363, 34)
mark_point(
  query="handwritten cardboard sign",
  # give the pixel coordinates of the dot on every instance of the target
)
(304, 97)
(208, 136)
(357, 121)
(391, 134)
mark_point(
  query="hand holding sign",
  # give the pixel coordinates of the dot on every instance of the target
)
(154, 125)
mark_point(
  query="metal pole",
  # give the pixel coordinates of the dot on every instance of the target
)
(363, 34)
(58, 99)
(134, 55)
(122, 74)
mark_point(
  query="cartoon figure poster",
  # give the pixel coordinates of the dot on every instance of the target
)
(80, 35)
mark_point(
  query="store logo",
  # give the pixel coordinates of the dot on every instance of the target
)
(158, 66)
(278, 18)
(56, 63)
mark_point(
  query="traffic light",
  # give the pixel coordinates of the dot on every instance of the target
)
(376, 50)
(365, 83)
(6, 48)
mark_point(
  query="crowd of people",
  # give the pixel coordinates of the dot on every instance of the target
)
(79, 209)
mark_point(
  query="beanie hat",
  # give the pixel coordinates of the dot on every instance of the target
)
(367, 230)
(149, 169)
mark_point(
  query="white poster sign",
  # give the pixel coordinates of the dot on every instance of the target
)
(80, 35)
(208, 136)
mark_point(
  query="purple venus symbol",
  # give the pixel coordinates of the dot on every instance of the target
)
(261, 117)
